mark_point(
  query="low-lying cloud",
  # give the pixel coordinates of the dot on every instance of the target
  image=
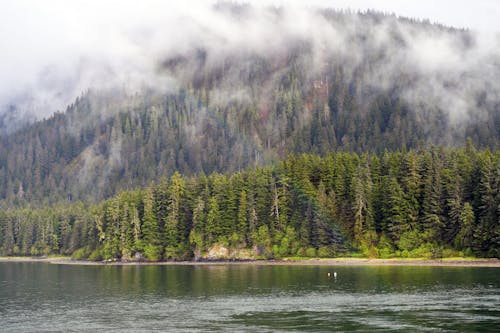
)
(47, 63)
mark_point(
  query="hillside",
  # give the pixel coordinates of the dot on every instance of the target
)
(354, 83)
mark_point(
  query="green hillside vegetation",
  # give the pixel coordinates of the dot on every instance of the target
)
(238, 111)
(340, 141)
(430, 203)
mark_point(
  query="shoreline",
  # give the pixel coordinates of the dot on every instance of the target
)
(445, 262)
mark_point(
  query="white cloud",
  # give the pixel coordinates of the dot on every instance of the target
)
(55, 49)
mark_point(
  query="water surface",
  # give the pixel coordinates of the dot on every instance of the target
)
(43, 297)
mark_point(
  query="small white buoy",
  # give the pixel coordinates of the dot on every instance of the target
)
(334, 274)
(329, 275)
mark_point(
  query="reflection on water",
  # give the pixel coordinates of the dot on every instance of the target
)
(43, 297)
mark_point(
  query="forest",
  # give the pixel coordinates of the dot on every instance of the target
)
(418, 203)
(339, 140)
(236, 110)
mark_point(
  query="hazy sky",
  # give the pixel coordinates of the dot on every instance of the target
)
(474, 14)
(53, 36)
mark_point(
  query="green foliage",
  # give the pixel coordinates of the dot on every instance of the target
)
(311, 252)
(284, 248)
(301, 252)
(213, 226)
(409, 241)
(385, 247)
(262, 236)
(306, 206)
(196, 240)
(276, 251)
(153, 252)
(95, 255)
(82, 253)
(327, 252)
(465, 235)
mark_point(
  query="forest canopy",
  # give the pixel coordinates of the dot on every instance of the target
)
(426, 203)
(341, 135)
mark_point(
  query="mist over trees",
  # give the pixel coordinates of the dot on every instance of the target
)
(225, 116)
(109, 141)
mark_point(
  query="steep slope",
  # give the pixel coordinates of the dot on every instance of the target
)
(354, 82)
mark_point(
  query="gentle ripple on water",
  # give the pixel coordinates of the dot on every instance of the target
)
(50, 298)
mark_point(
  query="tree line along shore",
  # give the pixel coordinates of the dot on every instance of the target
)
(430, 203)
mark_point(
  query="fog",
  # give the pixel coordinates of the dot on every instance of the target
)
(53, 51)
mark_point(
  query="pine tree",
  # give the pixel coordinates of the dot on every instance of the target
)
(243, 218)
(410, 185)
(394, 209)
(432, 209)
(362, 205)
(198, 232)
(464, 237)
(152, 244)
(213, 227)
(487, 208)
(173, 220)
(453, 206)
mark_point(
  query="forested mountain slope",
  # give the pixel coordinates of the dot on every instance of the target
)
(440, 202)
(356, 82)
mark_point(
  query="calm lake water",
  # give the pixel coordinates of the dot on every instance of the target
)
(42, 297)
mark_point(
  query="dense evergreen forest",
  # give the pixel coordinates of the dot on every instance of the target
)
(237, 110)
(427, 203)
(340, 142)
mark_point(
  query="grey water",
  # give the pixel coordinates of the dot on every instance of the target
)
(43, 297)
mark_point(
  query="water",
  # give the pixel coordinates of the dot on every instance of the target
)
(42, 297)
